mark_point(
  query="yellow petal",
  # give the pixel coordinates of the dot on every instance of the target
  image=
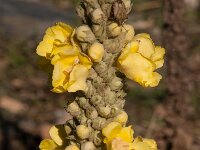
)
(146, 46)
(145, 35)
(152, 144)
(77, 80)
(61, 72)
(144, 144)
(154, 80)
(58, 77)
(141, 146)
(58, 135)
(45, 46)
(159, 53)
(119, 144)
(126, 134)
(159, 63)
(84, 60)
(48, 145)
(65, 49)
(129, 49)
(108, 130)
(61, 32)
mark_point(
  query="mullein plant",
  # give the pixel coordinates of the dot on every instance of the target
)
(87, 61)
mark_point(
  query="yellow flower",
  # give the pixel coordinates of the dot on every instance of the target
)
(57, 142)
(139, 60)
(56, 35)
(118, 137)
(71, 66)
(144, 144)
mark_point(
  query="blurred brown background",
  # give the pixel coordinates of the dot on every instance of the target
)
(28, 108)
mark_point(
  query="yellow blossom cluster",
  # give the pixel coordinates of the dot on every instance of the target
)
(71, 66)
(118, 137)
(139, 60)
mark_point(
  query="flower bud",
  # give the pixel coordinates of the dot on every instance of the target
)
(110, 96)
(84, 46)
(85, 34)
(116, 83)
(97, 138)
(93, 74)
(82, 119)
(82, 131)
(97, 100)
(114, 111)
(98, 123)
(106, 8)
(96, 52)
(129, 30)
(114, 30)
(88, 146)
(104, 111)
(91, 113)
(93, 3)
(68, 129)
(72, 147)
(83, 102)
(122, 117)
(128, 5)
(98, 16)
(98, 30)
(74, 109)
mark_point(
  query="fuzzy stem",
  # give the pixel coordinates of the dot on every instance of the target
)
(104, 99)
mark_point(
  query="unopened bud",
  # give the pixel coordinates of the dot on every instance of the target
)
(88, 146)
(96, 52)
(98, 16)
(104, 111)
(85, 34)
(128, 5)
(74, 109)
(72, 147)
(98, 123)
(82, 131)
(114, 30)
(122, 117)
(129, 30)
(91, 113)
(116, 83)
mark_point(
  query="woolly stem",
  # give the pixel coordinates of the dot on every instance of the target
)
(104, 99)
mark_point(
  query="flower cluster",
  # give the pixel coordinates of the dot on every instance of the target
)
(118, 137)
(139, 60)
(71, 66)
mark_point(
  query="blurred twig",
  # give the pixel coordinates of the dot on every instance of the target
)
(151, 125)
